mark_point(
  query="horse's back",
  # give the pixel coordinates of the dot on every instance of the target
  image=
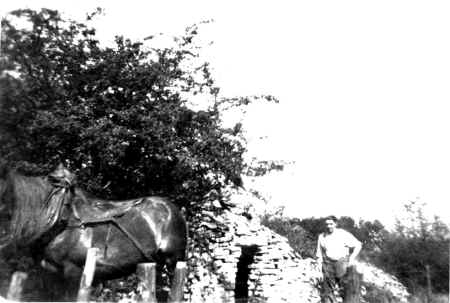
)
(92, 209)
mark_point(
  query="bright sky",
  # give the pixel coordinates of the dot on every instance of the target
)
(363, 85)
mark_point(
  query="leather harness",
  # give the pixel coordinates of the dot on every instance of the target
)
(63, 184)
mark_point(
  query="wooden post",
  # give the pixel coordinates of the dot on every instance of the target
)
(88, 276)
(146, 273)
(352, 286)
(177, 287)
(429, 290)
(16, 286)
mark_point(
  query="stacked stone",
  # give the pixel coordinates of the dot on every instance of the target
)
(203, 284)
(383, 281)
(277, 273)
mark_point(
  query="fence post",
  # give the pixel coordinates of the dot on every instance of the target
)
(429, 289)
(177, 287)
(16, 286)
(146, 273)
(352, 288)
(87, 276)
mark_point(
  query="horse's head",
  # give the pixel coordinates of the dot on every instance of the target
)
(62, 177)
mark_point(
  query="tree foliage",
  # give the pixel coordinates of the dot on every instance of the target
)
(417, 242)
(301, 240)
(116, 115)
(303, 233)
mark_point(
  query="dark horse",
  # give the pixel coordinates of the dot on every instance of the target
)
(61, 221)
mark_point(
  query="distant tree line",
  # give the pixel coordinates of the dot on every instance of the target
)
(415, 244)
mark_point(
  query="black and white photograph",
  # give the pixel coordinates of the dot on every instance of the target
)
(225, 151)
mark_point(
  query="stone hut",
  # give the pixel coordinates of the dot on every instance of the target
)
(233, 258)
(247, 263)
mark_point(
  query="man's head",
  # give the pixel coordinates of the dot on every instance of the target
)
(330, 223)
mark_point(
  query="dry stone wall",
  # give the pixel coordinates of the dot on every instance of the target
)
(241, 251)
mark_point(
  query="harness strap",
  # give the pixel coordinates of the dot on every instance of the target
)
(63, 181)
(134, 240)
(108, 234)
(122, 229)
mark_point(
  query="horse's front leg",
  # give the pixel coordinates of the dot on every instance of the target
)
(72, 275)
(51, 283)
(60, 280)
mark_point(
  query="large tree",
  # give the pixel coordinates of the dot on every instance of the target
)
(116, 115)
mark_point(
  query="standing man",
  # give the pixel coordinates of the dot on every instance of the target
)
(336, 251)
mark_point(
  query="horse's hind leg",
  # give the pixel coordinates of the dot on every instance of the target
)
(171, 264)
(165, 270)
(161, 282)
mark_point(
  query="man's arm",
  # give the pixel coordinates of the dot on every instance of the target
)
(356, 249)
(319, 256)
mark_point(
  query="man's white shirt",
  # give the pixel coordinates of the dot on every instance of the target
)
(337, 245)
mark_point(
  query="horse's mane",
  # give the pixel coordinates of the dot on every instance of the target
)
(35, 211)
